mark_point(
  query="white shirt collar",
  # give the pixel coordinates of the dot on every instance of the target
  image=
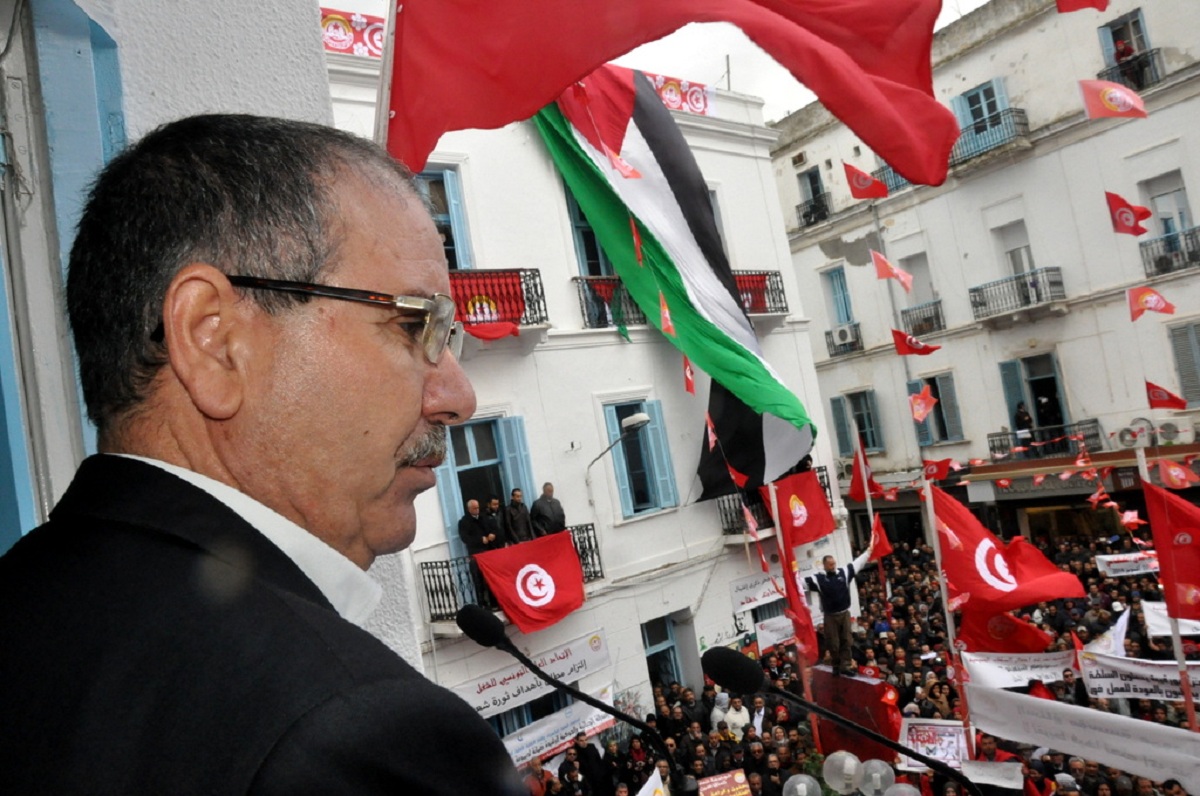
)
(353, 593)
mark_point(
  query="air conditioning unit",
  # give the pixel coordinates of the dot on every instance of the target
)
(799, 159)
(846, 334)
(1133, 437)
(1172, 433)
(845, 469)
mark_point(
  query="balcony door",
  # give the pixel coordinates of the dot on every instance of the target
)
(1034, 381)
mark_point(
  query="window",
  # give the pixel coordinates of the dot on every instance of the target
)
(768, 611)
(979, 109)
(943, 423)
(521, 716)
(484, 458)
(645, 474)
(1012, 242)
(592, 259)
(922, 285)
(1130, 28)
(1034, 381)
(861, 408)
(810, 184)
(1169, 201)
(440, 188)
(1185, 344)
(658, 639)
(837, 295)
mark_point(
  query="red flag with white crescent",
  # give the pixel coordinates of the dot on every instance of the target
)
(537, 583)
(907, 344)
(1162, 398)
(863, 185)
(1127, 218)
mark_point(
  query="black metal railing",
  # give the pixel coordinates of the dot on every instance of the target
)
(1014, 293)
(733, 519)
(1139, 71)
(844, 339)
(1046, 441)
(813, 211)
(451, 584)
(606, 303)
(923, 318)
(988, 133)
(891, 179)
(512, 295)
(1175, 252)
(761, 292)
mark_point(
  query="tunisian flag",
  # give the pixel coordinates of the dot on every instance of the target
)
(997, 577)
(860, 484)
(1104, 99)
(1162, 398)
(461, 64)
(863, 185)
(1126, 218)
(1000, 633)
(880, 544)
(907, 344)
(1175, 524)
(536, 583)
(801, 513)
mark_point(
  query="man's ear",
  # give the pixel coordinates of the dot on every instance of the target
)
(209, 335)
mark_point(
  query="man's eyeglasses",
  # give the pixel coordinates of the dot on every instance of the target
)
(438, 333)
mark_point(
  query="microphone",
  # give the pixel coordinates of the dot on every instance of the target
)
(735, 672)
(485, 629)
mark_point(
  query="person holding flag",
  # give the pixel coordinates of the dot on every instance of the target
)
(833, 586)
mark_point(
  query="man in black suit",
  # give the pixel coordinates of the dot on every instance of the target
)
(476, 532)
(261, 316)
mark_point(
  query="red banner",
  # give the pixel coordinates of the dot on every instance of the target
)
(490, 304)
(753, 290)
(351, 33)
(871, 703)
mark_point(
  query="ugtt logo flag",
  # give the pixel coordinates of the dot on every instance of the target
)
(536, 583)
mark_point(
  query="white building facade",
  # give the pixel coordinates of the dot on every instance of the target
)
(1017, 273)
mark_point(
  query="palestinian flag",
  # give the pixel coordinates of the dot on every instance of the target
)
(622, 157)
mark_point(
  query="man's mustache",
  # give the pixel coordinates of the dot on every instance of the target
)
(428, 449)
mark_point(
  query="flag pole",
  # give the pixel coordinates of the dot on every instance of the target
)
(383, 98)
(952, 652)
(860, 458)
(1185, 680)
(790, 571)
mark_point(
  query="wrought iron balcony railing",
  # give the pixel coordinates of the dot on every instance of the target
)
(512, 295)
(1175, 252)
(844, 339)
(733, 520)
(606, 303)
(1015, 293)
(451, 584)
(923, 318)
(814, 211)
(1138, 72)
(891, 179)
(988, 133)
(1046, 441)
(761, 292)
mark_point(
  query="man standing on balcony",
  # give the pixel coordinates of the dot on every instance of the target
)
(517, 525)
(547, 513)
(476, 532)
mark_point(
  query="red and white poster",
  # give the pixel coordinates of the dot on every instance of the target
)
(352, 33)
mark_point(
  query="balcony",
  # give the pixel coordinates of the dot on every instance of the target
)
(814, 211)
(1000, 129)
(733, 520)
(1018, 298)
(888, 176)
(923, 318)
(1047, 441)
(451, 584)
(606, 304)
(844, 339)
(1175, 252)
(761, 292)
(510, 295)
(1139, 72)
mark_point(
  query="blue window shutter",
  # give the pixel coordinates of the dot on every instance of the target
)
(514, 458)
(660, 456)
(961, 112)
(1001, 93)
(618, 460)
(841, 426)
(875, 436)
(1013, 382)
(1062, 396)
(458, 218)
(1185, 344)
(450, 496)
(843, 311)
(924, 436)
(1108, 45)
(949, 399)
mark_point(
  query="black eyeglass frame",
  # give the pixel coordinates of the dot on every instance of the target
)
(440, 331)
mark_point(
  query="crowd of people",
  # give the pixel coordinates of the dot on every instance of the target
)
(900, 637)
(493, 526)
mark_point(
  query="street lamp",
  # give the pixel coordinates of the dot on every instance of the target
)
(628, 426)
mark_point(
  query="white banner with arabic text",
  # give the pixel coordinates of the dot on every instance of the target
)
(1014, 669)
(1115, 566)
(754, 591)
(552, 734)
(1157, 623)
(1112, 677)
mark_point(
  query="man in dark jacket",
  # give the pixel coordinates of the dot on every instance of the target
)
(833, 584)
(547, 513)
(517, 525)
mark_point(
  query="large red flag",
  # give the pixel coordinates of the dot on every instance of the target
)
(536, 583)
(1126, 218)
(1162, 398)
(997, 577)
(1147, 299)
(1000, 633)
(1175, 524)
(859, 484)
(802, 514)
(466, 64)
(798, 612)
(863, 185)
(907, 344)
(1065, 6)
(880, 544)
(1103, 99)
